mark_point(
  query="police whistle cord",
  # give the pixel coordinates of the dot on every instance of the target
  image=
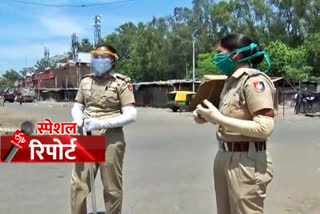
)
(27, 128)
(91, 174)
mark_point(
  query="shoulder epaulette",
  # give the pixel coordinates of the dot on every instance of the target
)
(87, 75)
(255, 72)
(122, 77)
(251, 72)
(248, 71)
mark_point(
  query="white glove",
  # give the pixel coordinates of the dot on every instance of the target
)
(260, 127)
(92, 124)
(197, 118)
(210, 114)
(77, 114)
(129, 115)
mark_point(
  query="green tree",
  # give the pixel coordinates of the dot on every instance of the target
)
(313, 19)
(123, 40)
(161, 48)
(85, 46)
(290, 22)
(3, 83)
(44, 63)
(9, 78)
(52, 62)
(288, 62)
(298, 74)
(206, 65)
(312, 46)
(27, 70)
(63, 58)
(280, 57)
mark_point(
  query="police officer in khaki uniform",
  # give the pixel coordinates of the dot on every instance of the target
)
(104, 104)
(245, 120)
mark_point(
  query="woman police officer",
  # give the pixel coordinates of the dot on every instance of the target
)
(245, 120)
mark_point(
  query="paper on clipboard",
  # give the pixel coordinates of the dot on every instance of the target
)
(209, 89)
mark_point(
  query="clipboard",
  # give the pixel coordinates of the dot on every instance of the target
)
(210, 89)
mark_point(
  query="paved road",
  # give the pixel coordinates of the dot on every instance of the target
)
(167, 168)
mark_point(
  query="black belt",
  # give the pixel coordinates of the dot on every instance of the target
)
(242, 146)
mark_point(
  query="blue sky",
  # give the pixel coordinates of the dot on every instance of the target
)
(27, 29)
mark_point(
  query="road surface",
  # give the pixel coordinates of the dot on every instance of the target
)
(167, 167)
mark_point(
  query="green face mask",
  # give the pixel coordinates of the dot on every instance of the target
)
(226, 65)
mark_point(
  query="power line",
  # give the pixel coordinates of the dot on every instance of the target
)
(69, 5)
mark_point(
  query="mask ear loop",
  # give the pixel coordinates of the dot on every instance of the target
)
(267, 57)
(252, 47)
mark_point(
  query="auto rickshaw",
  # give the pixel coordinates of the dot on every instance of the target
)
(180, 100)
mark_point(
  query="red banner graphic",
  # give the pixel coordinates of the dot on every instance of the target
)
(58, 148)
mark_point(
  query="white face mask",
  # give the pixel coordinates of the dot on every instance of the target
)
(101, 66)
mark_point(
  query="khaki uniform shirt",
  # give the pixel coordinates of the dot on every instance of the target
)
(245, 92)
(104, 97)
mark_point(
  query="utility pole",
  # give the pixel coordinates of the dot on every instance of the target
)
(193, 61)
(47, 56)
(187, 71)
(46, 53)
(74, 46)
(97, 30)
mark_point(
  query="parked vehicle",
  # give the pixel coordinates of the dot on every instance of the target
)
(28, 94)
(180, 100)
(10, 94)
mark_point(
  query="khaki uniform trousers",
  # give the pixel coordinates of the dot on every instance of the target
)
(111, 175)
(240, 180)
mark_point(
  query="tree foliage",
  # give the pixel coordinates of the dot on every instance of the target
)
(289, 62)
(206, 65)
(161, 48)
(52, 62)
(9, 77)
(24, 71)
(312, 45)
(85, 46)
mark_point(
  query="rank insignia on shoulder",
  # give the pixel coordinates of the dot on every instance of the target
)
(123, 77)
(87, 75)
(259, 86)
